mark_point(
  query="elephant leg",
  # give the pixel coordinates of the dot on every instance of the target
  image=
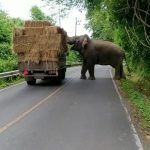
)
(83, 71)
(122, 74)
(117, 73)
(91, 72)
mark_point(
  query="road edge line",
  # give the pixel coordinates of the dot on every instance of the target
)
(6, 88)
(134, 132)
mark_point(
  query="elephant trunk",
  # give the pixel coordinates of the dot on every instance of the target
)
(70, 40)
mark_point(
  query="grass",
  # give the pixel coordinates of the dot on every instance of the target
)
(11, 81)
(137, 90)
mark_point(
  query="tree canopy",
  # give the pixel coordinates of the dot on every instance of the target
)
(6, 26)
(37, 14)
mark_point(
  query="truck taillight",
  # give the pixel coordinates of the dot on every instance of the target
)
(25, 72)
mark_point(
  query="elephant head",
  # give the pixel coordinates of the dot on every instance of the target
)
(79, 42)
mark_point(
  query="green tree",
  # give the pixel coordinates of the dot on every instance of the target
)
(37, 14)
(6, 27)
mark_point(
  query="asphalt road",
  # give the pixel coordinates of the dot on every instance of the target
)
(76, 115)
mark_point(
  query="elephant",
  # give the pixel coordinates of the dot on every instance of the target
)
(98, 52)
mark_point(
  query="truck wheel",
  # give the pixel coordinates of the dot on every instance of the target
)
(31, 82)
(62, 74)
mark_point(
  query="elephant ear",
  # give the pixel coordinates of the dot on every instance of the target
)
(85, 41)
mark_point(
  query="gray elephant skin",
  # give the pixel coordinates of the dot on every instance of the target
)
(98, 52)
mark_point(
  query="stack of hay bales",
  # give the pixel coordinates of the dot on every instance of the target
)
(39, 41)
(39, 23)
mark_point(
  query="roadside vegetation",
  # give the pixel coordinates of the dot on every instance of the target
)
(140, 103)
(7, 58)
(10, 81)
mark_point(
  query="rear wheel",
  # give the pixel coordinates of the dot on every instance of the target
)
(31, 81)
(62, 74)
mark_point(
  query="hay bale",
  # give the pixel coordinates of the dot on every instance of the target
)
(49, 56)
(21, 57)
(38, 42)
(24, 39)
(31, 31)
(44, 57)
(50, 42)
(22, 48)
(18, 32)
(53, 30)
(23, 43)
(37, 23)
(32, 57)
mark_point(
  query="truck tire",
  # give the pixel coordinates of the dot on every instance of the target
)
(31, 82)
(62, 74)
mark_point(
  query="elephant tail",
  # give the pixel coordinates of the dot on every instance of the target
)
(128, 68)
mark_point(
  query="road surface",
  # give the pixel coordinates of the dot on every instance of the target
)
(76, 115)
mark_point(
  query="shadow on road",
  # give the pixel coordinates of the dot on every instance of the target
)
(49, 82)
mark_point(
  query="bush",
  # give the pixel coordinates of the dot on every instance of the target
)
(8, 65)
(4, 50)
(73, 57)
(140, 101)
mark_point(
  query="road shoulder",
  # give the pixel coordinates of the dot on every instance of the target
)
(135, 117)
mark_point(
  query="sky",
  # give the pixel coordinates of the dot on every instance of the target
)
(21, 9)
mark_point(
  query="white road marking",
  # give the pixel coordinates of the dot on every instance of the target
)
(20, 117)
(134, 132)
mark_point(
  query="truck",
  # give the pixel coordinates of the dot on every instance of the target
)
(41, 50)
(44, 70)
